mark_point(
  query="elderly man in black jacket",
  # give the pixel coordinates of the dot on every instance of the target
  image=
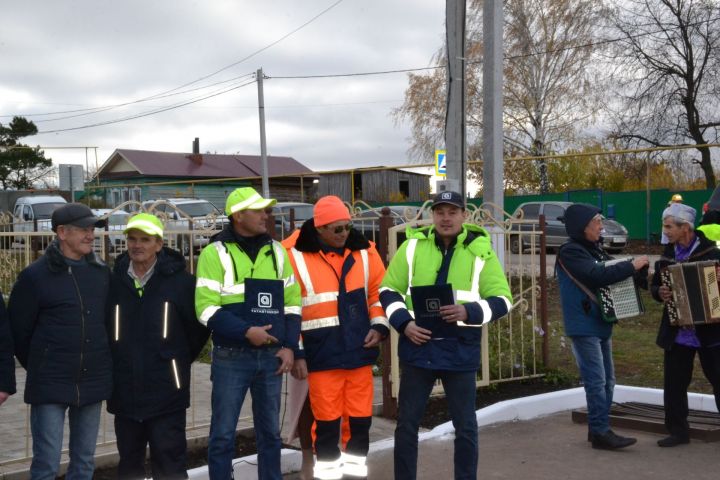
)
(154, 336)
(57, 316)
(7, 362)
(681, 344)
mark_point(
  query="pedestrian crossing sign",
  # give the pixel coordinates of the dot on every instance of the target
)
(440, 167)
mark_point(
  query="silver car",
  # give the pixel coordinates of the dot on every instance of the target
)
(614, 235)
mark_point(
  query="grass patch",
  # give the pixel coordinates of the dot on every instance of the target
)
(638, 360)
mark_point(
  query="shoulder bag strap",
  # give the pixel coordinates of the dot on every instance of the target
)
(582, 287)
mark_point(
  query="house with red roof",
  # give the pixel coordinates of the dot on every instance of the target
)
(148, 175)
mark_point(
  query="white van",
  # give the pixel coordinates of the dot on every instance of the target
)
(29, 209)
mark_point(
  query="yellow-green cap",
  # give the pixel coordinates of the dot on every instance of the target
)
(145, 222)
(246, 198)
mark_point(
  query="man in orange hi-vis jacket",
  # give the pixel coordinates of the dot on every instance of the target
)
(339, 272)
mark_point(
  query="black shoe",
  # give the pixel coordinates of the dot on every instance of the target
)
(611, 441)
(672, 441)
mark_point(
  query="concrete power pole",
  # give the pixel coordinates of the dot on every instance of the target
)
(492, 103)
(456, 157)
(263, 146)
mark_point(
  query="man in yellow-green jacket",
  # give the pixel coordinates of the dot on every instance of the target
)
(247, 296)
(459, 254)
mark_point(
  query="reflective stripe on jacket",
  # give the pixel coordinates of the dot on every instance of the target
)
(477, 279)
(220, 289)
(338, 311)
(154, 338)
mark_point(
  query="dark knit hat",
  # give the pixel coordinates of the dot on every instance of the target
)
(576, 218)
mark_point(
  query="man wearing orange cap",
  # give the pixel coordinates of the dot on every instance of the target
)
(339, 272)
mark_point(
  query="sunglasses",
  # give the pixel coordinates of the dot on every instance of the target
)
(341, 228)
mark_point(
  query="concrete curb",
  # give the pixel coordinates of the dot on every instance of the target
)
(524, 408)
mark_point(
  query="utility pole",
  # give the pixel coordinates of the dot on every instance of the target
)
(263, 146)
(456, 157)
(492, 103)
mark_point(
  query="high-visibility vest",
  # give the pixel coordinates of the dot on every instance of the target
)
(220, 280)
(320, 289)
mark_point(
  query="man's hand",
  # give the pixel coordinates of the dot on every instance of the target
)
(286, 357)
(665, 293)
(417, 335)
(258, 336)
(372, 339)
(3, 396)
(453, 313)
(299, 369)
(640, 262)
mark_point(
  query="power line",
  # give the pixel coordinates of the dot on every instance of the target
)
(264, 48)
(167, 92)
(160, 110)
(293, 77)
(357, 74)
(90, 111)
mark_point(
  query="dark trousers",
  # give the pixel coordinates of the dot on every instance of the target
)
(415, 387)
(678, 375)
(168, 447)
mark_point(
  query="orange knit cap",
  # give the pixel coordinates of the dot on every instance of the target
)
(329, 209)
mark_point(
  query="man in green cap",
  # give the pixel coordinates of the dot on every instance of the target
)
(247, 295)
(154, 338)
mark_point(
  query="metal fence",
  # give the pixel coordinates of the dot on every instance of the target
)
(513, 348)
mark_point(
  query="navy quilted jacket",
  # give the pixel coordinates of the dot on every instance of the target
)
(57, 315)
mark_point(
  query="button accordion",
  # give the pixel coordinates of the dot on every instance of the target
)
(620, 300)
(695, 292)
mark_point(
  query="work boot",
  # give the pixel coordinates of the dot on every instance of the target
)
(672, 441)
(611, 441)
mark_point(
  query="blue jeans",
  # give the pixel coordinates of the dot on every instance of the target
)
(46, 423)
(233, 372)
(415, 387)
(594, 359)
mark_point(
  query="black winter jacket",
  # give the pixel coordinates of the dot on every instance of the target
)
(707, 334)
(7, 362)
(57, 316)
(147, 352)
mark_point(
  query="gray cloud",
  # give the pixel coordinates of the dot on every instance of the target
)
(89, 53)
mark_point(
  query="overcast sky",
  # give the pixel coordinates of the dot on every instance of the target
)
(60, 56)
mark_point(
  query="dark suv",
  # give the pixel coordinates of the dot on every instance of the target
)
(614, 234)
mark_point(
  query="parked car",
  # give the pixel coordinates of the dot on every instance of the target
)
(614, 235)
(368, 221)
(116, 222)
(179, 211)
(33, 213)
(27, 209)
(281, 212)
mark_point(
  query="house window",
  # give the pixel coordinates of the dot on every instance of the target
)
(405, 188)
(115, 197)
(357, 184)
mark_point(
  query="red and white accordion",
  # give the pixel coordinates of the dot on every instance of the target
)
(695, 292)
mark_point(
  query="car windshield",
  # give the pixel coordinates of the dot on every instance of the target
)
(197, 209)
(44, 210)
(118, 219)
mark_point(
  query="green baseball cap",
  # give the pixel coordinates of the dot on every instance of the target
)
(246, 198)
(145, 222)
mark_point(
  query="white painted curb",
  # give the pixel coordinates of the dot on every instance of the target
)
(524, 408)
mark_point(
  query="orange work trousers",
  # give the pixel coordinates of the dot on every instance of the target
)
(334, 393)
